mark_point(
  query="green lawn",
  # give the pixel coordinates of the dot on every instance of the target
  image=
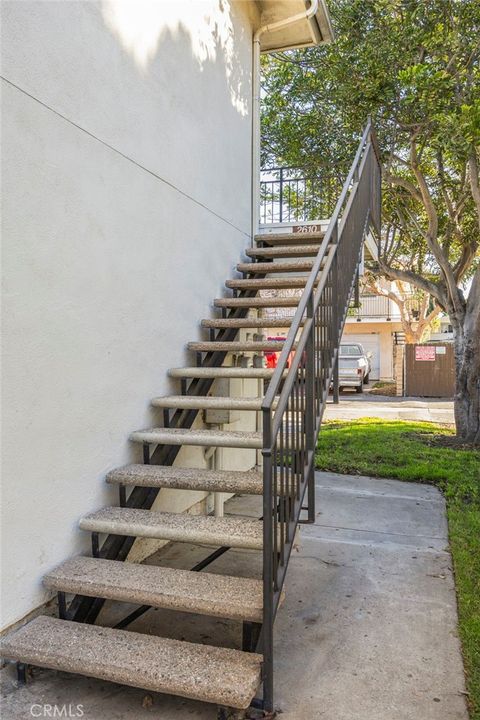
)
(419, 452)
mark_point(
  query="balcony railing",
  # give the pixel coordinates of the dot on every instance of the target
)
(372, 306)
(292, 195)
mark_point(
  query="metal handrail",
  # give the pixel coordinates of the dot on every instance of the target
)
(296, 322)
(275, 168)
(293, 405)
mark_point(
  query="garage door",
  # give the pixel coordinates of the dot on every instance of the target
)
(371, 343)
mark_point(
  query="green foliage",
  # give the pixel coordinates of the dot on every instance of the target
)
(464, 531)
(411, 451)
(402, 450)
(414, 67)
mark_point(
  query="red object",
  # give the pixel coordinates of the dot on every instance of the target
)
(271, 359)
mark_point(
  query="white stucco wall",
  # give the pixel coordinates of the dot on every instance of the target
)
(126, 203)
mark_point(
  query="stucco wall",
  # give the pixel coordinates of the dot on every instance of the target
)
(126, 203)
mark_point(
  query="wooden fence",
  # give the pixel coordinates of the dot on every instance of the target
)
(429, 370)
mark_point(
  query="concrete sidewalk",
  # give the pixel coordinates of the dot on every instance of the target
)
(352, 407)
(375, 615)
(368, 630)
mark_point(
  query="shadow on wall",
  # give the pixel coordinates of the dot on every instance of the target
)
(125, 127)
(141, 25)
(193, 60)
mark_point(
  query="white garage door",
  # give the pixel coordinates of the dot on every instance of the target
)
(371, 343)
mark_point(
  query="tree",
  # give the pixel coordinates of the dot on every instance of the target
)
(413, 66)
(415, 307)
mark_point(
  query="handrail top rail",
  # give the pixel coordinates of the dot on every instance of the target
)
(272, 390)
(303, 168)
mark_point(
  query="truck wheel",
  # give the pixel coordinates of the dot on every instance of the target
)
(359, 388)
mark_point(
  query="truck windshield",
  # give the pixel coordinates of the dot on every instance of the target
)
(350, 350)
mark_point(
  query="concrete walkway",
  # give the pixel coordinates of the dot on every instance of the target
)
(368, 630)
(353, 406)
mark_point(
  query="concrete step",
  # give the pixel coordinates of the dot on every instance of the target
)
(204, 438)
(283, 251)
(222, 372)
(290, 238)
(161, 587)
(230, 531)
(248, 482)
(200, 672)
(266, 268)
(248, 322)
(276, 283)
(257, 302)
(207, 402)
(237, 346)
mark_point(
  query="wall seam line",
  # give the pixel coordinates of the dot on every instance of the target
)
(125, 157)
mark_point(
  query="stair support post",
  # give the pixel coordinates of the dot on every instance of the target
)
(335, 326)
(146, 454)
(62, 606)
(21, 673)
(122, 495)
(268, 590)
(95, 545)
(250, 636)
(335, 381)
(356, 291)
(310, 410)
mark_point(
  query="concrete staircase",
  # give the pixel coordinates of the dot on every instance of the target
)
(292, 400)
(226, 677)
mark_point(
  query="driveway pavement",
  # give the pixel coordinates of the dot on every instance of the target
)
(353, 406)
(368, 629)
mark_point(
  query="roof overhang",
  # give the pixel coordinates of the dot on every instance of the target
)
(303, 33)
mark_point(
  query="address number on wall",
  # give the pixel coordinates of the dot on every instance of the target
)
(306, 229)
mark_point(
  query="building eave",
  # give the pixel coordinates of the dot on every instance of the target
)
(304, 33)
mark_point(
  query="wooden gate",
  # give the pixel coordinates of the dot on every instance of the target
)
(429, 370)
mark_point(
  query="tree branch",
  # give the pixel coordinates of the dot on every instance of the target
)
(405, 184)
(432, 233)
(417, 280)
(465, 260)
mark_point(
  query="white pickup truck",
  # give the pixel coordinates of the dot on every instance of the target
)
(353, 366)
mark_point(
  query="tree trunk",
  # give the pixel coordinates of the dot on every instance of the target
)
(467, 382)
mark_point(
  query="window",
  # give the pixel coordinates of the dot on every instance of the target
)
(351, 350)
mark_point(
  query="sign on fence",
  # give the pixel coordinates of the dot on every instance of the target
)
(429, 371)
(425, 352)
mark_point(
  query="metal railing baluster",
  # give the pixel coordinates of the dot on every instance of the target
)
(290, 432)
